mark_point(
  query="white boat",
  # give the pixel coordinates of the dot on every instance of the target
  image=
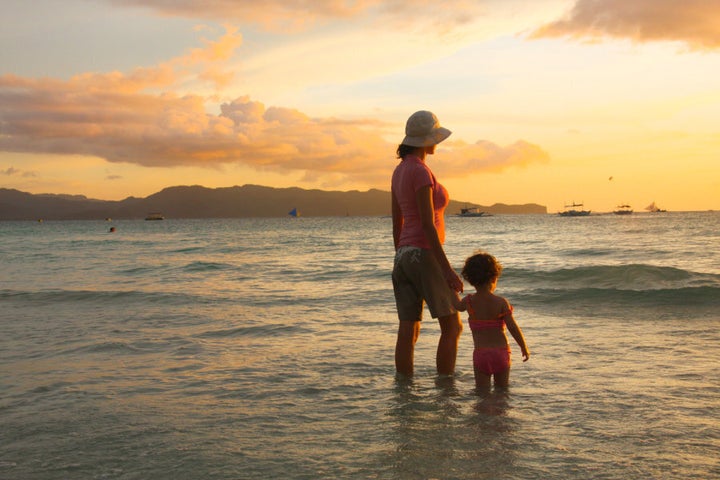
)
(572, 211)
(471, 212)
(155, 216)
(623, 210)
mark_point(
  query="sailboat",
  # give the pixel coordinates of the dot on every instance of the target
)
(654, 208)
(294, 213)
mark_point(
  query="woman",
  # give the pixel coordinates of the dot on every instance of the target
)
(422, 272)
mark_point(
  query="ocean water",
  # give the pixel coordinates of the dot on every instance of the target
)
(263, 348)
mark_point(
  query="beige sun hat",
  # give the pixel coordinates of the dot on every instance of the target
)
(423, 129)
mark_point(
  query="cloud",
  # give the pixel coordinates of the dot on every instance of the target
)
(165, 130)
(138, 118)
(693, 22)
(11, 171)
(486, 156)
(291, 15)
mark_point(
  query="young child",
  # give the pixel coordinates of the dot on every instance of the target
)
(488, 315)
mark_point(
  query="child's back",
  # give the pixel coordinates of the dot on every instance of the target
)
(489, 314)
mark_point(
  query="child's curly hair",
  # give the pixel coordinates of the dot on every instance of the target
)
(481, 268)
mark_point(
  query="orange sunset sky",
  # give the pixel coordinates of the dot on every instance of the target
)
(549, 101)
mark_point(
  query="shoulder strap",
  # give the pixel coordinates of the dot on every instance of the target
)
(468, 305)
(507, 312)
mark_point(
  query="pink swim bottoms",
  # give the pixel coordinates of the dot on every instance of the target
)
(492, 360)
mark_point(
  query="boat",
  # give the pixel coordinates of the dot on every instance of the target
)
(623, 210)
(294, 213)
(155, 216)
(571, 211)
(471, 212)
(654, 208)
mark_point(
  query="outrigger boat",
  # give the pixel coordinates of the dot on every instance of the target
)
(573, 212)
(471, 212)
(623, 210)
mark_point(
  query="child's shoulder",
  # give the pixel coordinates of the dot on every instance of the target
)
(502, 303)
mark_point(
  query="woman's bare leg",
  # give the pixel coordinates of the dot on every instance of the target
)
(450, 329)
(408, 333)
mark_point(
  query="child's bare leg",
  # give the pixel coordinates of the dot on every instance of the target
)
(502, 379)
(482, 381)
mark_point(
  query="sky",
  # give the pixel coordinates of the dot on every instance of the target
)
(603, 102)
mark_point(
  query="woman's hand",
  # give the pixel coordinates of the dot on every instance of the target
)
(458, 302)
(454, 280)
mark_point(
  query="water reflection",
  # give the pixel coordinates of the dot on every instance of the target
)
(492, 403)
(445, 429)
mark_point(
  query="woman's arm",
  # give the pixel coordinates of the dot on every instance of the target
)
(397, 219)
(427, 217)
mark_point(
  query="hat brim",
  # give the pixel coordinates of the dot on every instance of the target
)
(433, 138)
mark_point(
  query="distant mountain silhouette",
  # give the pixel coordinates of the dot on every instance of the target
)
(230, 202)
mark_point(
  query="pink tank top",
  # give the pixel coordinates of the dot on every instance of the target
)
(409, 176)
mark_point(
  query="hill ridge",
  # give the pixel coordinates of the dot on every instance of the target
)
(197, 201)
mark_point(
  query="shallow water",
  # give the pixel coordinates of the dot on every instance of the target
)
(262, 348)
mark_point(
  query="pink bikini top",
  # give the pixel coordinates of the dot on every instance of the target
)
(482, 324)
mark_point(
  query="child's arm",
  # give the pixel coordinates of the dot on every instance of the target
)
(517, 334)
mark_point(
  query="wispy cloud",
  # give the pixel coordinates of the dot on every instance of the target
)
(12, 171)
(291, 15)
(693, 22)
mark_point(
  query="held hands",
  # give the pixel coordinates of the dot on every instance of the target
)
(454, 280)
(457, 302)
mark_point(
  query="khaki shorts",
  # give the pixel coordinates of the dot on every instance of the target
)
(418, 278)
